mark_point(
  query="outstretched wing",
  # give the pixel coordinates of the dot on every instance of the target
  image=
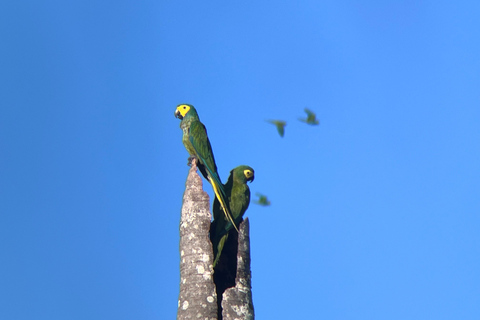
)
(311, 117)
(310, 114)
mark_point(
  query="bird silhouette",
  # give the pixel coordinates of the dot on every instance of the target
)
(262, 200)
(280, 126)
(311, 118)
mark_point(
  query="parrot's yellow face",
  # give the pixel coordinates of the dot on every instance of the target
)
(249, 174)
(182, 110)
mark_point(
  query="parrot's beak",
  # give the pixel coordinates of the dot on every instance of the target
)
(251, 179)
(178, 115)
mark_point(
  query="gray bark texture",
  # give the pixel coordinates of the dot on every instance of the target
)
(237, 302)
(198, 290)
(197, 298)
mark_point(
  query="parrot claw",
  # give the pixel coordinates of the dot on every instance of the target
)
(192, 161)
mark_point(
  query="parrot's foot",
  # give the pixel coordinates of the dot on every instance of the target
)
(192, 161)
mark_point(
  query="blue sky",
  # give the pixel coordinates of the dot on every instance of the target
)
(374, 215)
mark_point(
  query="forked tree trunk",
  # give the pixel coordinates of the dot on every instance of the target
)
(198, 291)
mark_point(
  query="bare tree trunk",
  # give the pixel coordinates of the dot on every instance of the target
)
(237, 302)
(198, 291)
(197, 298)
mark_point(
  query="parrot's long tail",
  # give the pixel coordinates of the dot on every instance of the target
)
(218, 248)
(221, 198)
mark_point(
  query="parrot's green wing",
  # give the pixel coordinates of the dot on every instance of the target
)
(281, 129)
(197, 135)
(310, 114)
(311, 117)
(262, 200)
(199, 140)
(280, 126)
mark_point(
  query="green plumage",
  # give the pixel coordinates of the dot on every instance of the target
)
(280, 124)
(311, 118)
(262, 200)
(238, 199)
(195, 140)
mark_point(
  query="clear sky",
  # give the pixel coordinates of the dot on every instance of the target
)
(374, 215)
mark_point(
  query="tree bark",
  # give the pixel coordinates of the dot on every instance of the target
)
(198, 290)
(237, 302)
(197, 298)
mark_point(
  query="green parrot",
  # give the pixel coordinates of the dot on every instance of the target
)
(311, 118)
(262, 200)
(280, 126)
(196, 142)
(238, 195)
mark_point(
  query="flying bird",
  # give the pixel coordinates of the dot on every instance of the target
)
(311, 118)
(262, 200)
(238, 195)
(280, 126)
(196, 142)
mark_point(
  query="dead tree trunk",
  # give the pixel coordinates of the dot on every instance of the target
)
(197, 298)
(198, 291)
(237, 301)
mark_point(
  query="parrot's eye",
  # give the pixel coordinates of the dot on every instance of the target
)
(183, 109)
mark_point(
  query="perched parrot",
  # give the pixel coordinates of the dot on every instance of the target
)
(311, 118)
(280, 126)
(238, 195)
(196, 142)
(262, 200)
